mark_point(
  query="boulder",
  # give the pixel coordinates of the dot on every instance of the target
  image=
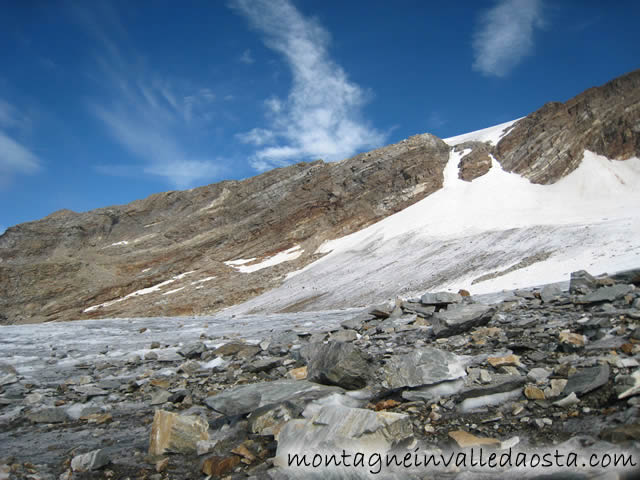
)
(606, 294)
(582, 282)
(175, 433)
(440, 298)
(90, 461)
(587, 380)
(425, 366)
(243, 399)
(337, 363)
(460, 319)
(333, 428)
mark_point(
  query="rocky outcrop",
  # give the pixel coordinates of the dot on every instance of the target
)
(549, 143)
(475, 163)
(159, 255)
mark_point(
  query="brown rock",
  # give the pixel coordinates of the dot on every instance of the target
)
(162, 465)
(385, 404)
(507, 360)
(171, 432)
(298, 373)
(533, 393)
(246, 454)
(575, 339)
(465, 439)
(218, 466)
(475, 163)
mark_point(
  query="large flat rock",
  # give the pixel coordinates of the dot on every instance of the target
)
(425, 366)
(459, 319)
(247, 398)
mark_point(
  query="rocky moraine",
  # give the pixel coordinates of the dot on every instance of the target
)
(222, 397)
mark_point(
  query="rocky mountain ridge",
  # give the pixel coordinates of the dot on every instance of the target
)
(198, 251)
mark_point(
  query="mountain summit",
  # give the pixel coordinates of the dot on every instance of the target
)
(522, 203)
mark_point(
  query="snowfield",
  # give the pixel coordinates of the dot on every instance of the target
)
(498, 232)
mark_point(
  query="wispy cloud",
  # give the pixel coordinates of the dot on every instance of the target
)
(321, 117)
(15, 158)
(151, 116)
(505, 35)
(247, 57)
(435, 120)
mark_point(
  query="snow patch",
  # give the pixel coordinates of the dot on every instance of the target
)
(490, 134)
(241, 261)
(280, 257)
(144, 291)
(173, 291)
(202, 280)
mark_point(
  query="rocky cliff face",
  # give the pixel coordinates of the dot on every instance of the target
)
(198, 251)
(156, 256)
(548, 144)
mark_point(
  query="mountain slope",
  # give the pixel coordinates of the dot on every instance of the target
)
(197, 251)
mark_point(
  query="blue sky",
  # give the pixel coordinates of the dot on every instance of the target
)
(105, 102)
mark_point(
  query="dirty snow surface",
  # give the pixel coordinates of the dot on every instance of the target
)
(496, 233)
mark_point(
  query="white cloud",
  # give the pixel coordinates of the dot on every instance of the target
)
(153, 117)
(15, 158)
(247, 57)
(505, 35)
(321, 117)
(257, 136)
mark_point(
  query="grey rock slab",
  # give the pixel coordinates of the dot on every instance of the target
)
(343, 336)
(440, 298)
(355, 323)
(606, 294)
(159, 397)
(460, 319)
(10, 416)
(247, 398)
(193, 350)
(169, 356)
(8, 374)
(337, 427)
(425, 366)
(430, 393)
(499, 384)
(538, 374)
(550, 293)
(582, 282)
(587, 380)
(48, 415)
(337, 363)
(90, 390)
(90, 461)
(264, 364)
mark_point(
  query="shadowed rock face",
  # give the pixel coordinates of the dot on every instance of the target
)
(549, 143)
(57, 267)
